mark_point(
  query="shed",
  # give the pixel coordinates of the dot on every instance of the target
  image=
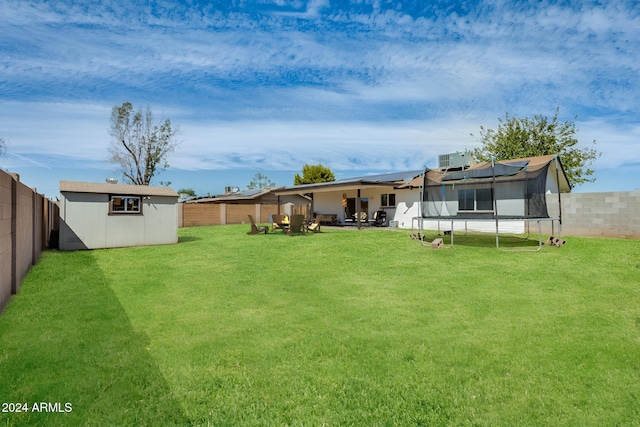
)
(94, 215)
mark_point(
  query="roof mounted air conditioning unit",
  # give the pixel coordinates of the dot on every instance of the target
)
(454, 160)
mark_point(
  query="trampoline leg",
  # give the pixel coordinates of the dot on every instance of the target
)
(560, 229)
(451, 233)
(540, 235)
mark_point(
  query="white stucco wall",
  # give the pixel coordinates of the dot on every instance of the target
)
(407, 203)
(85, 222)
(406, 213)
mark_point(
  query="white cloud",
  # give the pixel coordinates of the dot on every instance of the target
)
(380, 89)
(619, 143)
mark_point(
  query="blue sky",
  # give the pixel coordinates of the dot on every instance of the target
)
(364, 86)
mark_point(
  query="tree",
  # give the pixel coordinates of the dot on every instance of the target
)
(312, 174)
(260, 181)
(538, 136)
(139, 145)
(188, 191)
(3, 147)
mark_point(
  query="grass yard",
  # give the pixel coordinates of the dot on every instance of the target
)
(345, 327)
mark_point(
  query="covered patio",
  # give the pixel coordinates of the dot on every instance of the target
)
(355, 201)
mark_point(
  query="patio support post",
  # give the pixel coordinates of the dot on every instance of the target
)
(358, 210)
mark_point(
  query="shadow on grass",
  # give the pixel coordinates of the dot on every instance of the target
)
(66, 339)
(187, 239)
(487, 240)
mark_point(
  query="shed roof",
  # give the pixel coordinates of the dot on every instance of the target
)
(125, 189)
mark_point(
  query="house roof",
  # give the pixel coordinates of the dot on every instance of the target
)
(395, 179)
(236, 195)
(504, 169)
(240, 196)
(125, 189)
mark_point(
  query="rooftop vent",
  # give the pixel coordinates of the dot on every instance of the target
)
(112, 180)
(454, 160)
(231, 189)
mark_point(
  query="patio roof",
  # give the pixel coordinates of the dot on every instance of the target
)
(395, 179)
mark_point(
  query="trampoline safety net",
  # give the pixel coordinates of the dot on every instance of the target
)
(514, 190)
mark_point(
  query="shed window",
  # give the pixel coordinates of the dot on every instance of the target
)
(125, 205)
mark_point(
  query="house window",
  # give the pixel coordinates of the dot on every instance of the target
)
(465, 200)
(125, 205)
(388, 200)
(479, 199)
(484, 201)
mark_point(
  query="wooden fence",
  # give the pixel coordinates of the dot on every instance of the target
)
(27, 222)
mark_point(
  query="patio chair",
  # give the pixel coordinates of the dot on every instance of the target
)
(276, 222)
(315, 226)
(257, 229)
(296, 225)
(380, 219)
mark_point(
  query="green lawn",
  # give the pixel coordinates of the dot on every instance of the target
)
(345, 327)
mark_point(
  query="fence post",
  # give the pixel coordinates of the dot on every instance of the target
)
(34, 228)
(14, 236)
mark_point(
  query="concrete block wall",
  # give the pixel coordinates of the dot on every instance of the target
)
(6, 246)
(607, 214)
(26, 222)
(239, 214)
(194, 214)
(197, 214)
(24, 233)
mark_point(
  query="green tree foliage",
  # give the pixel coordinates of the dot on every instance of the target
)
(312, 174)
(188, 191)
(259, 182)
(538, 136)
(139, 145)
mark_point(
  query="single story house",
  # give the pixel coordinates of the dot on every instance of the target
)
(511, 191)
(341, 200)
(94, 215)
(470, 194)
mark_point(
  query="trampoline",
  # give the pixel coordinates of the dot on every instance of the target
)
(512, 190)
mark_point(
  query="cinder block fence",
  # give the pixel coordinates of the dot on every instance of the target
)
(198, 214)
(607, 214)
(26, 223)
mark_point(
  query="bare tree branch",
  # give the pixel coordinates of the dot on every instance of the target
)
(140, 146)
